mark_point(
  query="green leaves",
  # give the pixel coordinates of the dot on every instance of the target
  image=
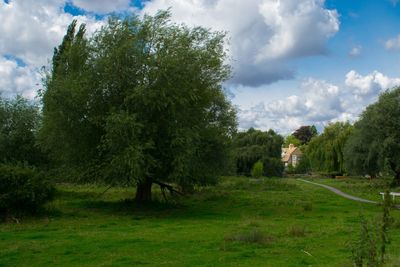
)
(374, 146)
(146, 101)
(326, 151)
(19, 123)
(253, 146)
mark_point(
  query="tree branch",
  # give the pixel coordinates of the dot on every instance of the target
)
(170, 188)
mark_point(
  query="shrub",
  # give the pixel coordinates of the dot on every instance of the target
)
(257, 170)
(273, 167)
(290, 169)
(22, 189)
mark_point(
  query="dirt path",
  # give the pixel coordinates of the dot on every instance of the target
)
(340, 193)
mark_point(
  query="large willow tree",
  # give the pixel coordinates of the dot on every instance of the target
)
(140, 102)
(326, 151)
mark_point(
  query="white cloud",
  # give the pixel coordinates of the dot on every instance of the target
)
(102, 6)
(16, 79)
(370, 84)
(29, 31)
(320, 103)
(393, 44)
(355, 51)
(264, 34)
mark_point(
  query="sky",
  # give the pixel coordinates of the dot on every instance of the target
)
(295, 62)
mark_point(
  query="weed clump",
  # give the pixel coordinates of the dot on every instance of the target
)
(253, 236)
(296, 231)
(370, 245)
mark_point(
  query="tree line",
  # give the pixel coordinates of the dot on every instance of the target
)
(141, 103)
(370, 146)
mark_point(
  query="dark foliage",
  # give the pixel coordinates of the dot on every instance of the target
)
(19, 122)
(374, 146)
(305, 133)
(22, 190)
(255, 145)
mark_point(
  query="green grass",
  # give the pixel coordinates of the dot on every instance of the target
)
(241, 222)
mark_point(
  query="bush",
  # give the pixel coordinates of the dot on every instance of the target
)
(257, 170)
(273, 167)
(22, 189)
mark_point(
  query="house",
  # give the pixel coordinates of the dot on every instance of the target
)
(291, 155)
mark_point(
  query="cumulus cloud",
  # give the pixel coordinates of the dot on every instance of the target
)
(320, 103)
(29, 31)
(264, 34)
(393, 44)
(370, 84)
(102, 6)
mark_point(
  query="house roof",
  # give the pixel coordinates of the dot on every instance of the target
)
(287, 152)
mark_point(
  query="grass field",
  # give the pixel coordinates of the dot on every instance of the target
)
(240, 222)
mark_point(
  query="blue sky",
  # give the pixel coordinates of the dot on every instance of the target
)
(295, 62)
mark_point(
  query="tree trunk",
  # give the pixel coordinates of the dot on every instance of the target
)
(143, 191)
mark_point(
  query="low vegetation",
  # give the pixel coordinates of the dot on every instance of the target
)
(22, 190)
(240, 222)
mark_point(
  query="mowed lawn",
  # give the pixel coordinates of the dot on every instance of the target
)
(240, 222)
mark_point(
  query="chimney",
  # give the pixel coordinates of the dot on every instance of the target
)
(291, 146)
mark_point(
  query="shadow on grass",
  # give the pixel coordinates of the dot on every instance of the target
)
(129, 206)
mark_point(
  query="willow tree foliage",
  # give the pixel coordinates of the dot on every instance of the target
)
(258, 146)
(140, 102)
(374, 146)
(325, 152)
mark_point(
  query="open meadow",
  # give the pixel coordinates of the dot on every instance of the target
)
(240, 222)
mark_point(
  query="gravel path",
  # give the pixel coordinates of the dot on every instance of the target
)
(340, 193)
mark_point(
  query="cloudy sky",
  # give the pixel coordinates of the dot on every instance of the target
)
(295, 62)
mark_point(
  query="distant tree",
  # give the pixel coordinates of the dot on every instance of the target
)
(290, 139)
(375, 144)
(19, 123)
(305, 133)
(325, 152)
(141, 103)
(255, 145)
